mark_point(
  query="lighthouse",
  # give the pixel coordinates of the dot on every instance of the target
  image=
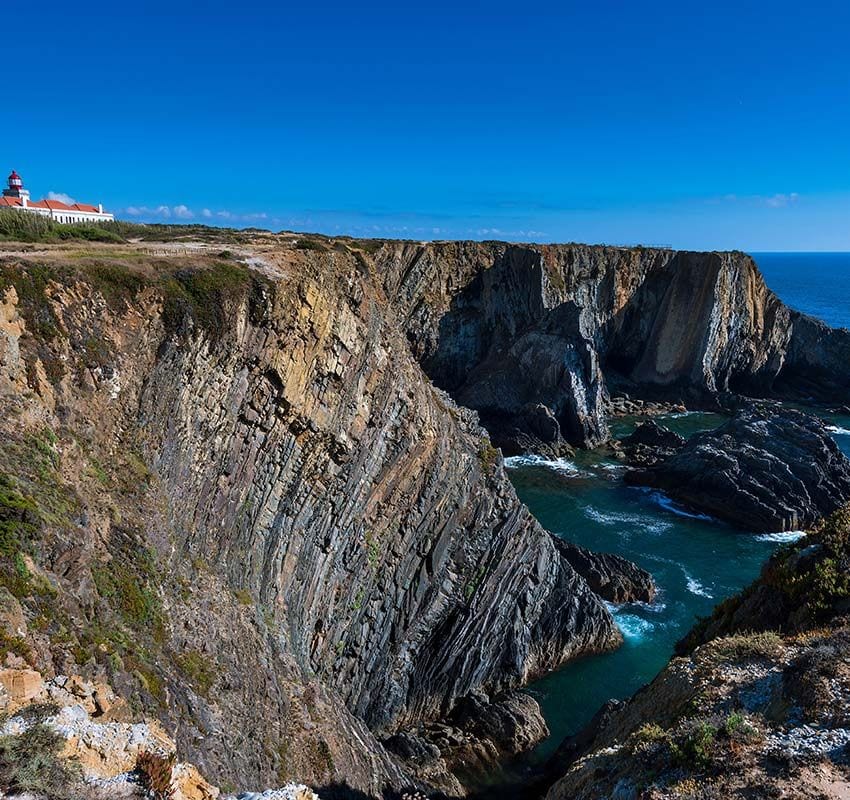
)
(15, 196)
(16, 187)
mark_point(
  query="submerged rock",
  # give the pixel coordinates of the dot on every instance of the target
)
(767, 469)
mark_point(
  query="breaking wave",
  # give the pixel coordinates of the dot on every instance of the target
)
(613, 518)
(781, 536)
(695, 587)
(632, 626)
(668, 504)
(562, 465)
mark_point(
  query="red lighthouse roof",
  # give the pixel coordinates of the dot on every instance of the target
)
(14, 177)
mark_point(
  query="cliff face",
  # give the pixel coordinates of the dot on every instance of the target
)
(506, 327)
(270, 519)
(338, 487)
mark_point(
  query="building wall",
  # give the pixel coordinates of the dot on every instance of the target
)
(69, 216)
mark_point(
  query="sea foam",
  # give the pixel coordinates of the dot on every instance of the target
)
(562, 465)
(695, 587)
(618, 518)
(673, 507)
(781, 536)
(632, 626)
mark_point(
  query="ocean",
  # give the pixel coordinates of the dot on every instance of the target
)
(696, 561)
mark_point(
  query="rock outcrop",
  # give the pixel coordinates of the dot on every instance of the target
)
(650, 443)
(473, 743)
(508, 327)
(612, 577)
(235, 494)
(767, 469)
(756, 705)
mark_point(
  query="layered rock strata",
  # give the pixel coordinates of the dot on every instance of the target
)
(237, 496)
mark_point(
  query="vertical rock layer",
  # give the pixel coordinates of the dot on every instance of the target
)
(291, 529)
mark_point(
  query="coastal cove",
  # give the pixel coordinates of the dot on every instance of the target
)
(696, 561)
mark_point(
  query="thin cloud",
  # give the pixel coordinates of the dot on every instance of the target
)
(61, 197)
(779, 200)
(145, 211)
(184, 212)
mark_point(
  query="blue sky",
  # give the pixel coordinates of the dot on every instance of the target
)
(726, 126)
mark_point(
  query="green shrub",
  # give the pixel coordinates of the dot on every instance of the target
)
(21, 226)
(488, 456)
(19, 520)
(30, 762)
(648, 735)
(696, 748)
(128, 584)
(743, 646)
(244, 597)
(202, 294)
(738, 728)
(197, 668)
(304, 243)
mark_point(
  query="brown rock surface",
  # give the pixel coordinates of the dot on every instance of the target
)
(21, 687)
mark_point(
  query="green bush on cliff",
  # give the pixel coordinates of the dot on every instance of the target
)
(30, 762)
(128, 585)
(695, 749)
(203, 294)
(802, 585)
(814, 575)
(197, 668)
(18, 525)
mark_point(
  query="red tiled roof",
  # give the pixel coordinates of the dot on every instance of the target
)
(52, 205)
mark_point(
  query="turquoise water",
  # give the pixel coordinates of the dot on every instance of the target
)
(696, 561)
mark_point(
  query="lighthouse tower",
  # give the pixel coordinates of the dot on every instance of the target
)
(16, 187)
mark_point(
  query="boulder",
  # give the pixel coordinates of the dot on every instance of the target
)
(21, 687)
(767, 469)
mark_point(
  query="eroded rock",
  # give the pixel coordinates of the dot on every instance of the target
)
(768, 469)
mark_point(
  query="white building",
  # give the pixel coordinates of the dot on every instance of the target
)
(15, 196)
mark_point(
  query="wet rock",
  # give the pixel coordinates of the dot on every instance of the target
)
(650, 443)
(765, 470)
(612, 577)
(533, 429)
